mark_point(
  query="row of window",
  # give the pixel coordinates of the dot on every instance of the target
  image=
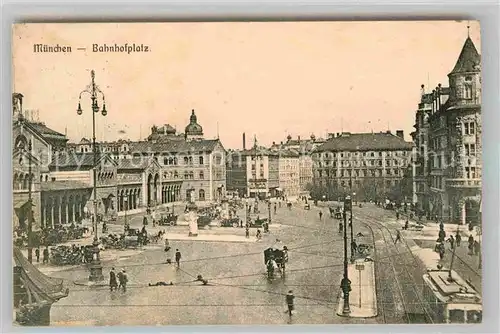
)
(388, 163)
(329, 155)
(173, 161)
(357, 183)
(358, 173)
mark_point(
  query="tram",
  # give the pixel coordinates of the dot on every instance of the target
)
(452, 300)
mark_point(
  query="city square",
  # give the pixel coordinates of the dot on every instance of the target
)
(206, 219)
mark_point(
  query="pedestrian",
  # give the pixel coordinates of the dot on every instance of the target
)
(274, 208)
(354, 247)
(341, 227)
(458, 238)
(471, 244)
(120, 279)
(113, 284)
(167, 245)
(407, 224)
(289, 302)
(441, 226)
(452, 241)
(398, 237)
(178, 257)
(476, 247)
(247, 232)
(441, 252)
(397, 215)
(123, 280)
(46, 255)
(37, 254)
(258, 235)
(320, 215)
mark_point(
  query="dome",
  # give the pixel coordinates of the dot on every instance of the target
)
(193, 128)
(289, 137)
(313, 136)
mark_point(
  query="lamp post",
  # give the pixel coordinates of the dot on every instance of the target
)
(93, 90)
(345, 284)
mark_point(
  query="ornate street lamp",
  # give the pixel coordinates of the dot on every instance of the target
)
(95, 93)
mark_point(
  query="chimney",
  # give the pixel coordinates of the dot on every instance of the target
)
(400, 134)
(299, 138)
(244, 141)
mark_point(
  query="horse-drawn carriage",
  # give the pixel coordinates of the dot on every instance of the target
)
(257, 222)
(335, 212)
(275, 259)
(230, 222)
(170, 220)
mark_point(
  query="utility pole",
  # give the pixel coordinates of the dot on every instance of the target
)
(350, 220)
(345, 284)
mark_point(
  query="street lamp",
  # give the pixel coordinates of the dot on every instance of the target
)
(345, 284)
(93, 90)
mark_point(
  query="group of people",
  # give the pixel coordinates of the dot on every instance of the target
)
(118, 281)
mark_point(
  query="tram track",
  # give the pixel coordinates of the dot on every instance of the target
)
(409, 298)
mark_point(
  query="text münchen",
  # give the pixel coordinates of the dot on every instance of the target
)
(50, 48)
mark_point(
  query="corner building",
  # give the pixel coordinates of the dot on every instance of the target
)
(449, 136)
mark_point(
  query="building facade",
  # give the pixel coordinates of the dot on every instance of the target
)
(454, 143)
(371, 165)
(289, 172)
(199, 163)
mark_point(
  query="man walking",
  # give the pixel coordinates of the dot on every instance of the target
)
(247, 232)
(398, 237)
(37, 254)
(178, 258)
(113, 284)
(123, 280)
(289, 302)
(320, 215)
(458, 238)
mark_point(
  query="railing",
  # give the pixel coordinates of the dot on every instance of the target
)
(463, 183)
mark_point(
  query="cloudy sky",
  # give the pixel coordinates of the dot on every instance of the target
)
(265, 79)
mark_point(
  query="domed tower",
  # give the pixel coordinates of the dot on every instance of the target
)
(465, 78)
(193, 129)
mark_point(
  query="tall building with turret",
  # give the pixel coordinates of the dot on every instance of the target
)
(448, 139)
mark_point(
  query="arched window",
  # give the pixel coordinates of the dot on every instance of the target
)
(46, 178)
(25, 182)
(202, 175)
(468, 91)
(186, 160)
(201, 196)
(41, 178)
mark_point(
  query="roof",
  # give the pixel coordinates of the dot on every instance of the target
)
(458, 290)
(259, 150)
(63, 185)
(65, 159)
(46, 132)
(84, 141)
(364, 142)
(133, 163)
(469, 59)
(174, 146)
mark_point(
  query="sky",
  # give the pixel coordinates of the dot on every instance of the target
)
(267, 79)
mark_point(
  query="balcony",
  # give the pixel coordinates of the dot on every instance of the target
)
(463, 183)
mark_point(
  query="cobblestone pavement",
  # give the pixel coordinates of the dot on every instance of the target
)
(238, 291)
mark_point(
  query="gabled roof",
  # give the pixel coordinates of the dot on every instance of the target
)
(175, 146)
(469, 59)
(364, 142)
(136, 163)
(67, 159)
